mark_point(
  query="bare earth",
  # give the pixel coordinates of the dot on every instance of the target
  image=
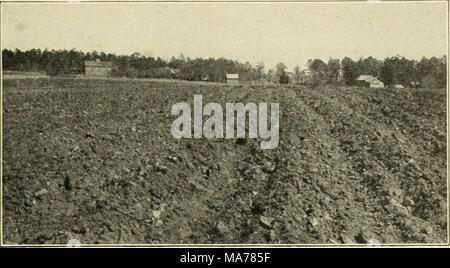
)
(95, 160)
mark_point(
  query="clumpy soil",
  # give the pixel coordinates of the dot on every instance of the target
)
(95, 160)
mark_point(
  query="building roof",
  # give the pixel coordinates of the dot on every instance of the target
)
(91, 63)
(376, 81)
(368, 79)
(364, 77)
(232, 76)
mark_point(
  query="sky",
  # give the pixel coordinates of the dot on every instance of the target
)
(290, 33)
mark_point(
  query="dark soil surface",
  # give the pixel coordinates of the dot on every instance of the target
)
(95, 160)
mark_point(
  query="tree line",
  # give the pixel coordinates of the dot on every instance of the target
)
(71, 62)
(428, 72)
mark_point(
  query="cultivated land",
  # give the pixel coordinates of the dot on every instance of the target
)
(95, 160)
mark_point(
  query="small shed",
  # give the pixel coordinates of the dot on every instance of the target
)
(232, 79)
(98, 68)
(369, 81)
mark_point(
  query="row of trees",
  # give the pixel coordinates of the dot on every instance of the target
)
(71, 62)
(428, 72)
(215, 70)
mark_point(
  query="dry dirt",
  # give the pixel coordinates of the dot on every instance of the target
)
(95, 160)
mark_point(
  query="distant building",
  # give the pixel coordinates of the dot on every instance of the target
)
(98, 68)
(369, 81)
(232, 79)
(399, 86)
(305, 76)
(306, 73)
(204, 77)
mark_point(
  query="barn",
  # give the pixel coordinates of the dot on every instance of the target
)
(232, 79)
(98, 68)
(369, 81)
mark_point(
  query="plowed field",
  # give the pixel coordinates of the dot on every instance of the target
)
(95, 160)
